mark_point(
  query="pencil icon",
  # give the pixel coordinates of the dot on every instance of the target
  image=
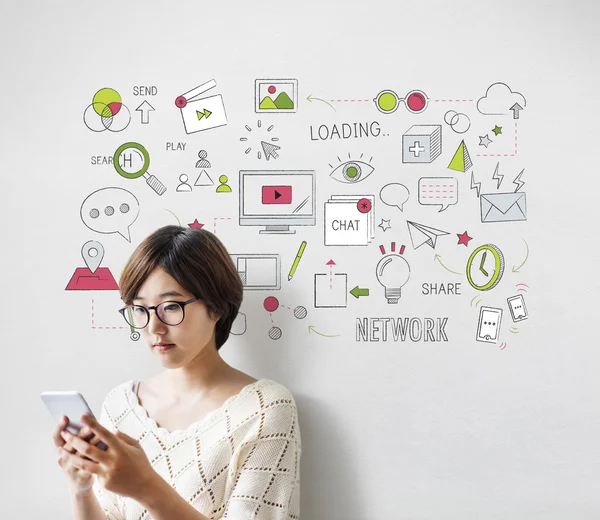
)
(297, 260)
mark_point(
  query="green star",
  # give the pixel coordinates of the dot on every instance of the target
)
(497, 129)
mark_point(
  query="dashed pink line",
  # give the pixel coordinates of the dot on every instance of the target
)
(215, 222)
(350, 100)
(99, 327)
(454, 100)
(502, 154)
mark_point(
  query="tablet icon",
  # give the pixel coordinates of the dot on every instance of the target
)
(201, 113)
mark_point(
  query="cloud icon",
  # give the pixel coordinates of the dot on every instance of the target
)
(499, 100)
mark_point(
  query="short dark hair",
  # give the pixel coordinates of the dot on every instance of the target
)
(199, 262)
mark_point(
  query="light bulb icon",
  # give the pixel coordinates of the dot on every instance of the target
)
(392, 272)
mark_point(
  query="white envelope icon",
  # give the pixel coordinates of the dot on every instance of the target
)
(202, 113)
(503, 207)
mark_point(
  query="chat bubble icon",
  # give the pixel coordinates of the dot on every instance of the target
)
(110, 210)
(394, 194)
(438, 191)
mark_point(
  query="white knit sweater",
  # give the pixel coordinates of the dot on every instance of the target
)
(240, 462)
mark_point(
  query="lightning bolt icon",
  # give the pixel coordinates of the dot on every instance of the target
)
(497, 175)
(518, 182)
(475, 184)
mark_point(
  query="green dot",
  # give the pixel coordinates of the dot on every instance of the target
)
(352, 172)
(387, 102)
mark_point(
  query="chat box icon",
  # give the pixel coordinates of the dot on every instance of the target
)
(394, 194)
(110, 210)
(438, 191)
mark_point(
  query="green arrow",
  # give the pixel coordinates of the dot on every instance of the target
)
(312, 329)
(437, 257)
(357, 292)
(310, 98)
(526, 257)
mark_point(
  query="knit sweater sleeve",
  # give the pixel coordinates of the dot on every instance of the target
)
(266, 483)
(109, 501)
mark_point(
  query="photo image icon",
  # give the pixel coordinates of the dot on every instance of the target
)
(276, 95)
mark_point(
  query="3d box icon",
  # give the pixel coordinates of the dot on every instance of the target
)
(421, 143)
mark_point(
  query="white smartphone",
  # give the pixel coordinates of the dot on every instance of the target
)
(73, 405)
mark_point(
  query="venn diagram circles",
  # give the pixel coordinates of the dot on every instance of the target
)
(107, 112)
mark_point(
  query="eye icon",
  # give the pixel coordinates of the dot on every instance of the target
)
(352, 172)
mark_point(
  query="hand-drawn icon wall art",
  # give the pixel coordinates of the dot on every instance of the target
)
(503, 207)
(276, 95)
(395, 195)
(499, 99)
(131, 161)
(488, 327)
(392, 272)
(271, 304)
(421, 234)
(258, 272)
(387, 101)
(349, 220)
(183, 186)
(458, 121)
(268, 149)
(516, 305)
(297, 259)
(421, 144)
(351, 172)
(93, 277)
(461, 161)
(107, 112)
(110, 210)
(485, 267)
(201, 113)
(203, 178)
(277, 199)
(438, 191)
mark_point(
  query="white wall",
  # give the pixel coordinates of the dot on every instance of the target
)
(406, 430)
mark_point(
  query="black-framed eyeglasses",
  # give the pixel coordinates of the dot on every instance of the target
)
(169, 312)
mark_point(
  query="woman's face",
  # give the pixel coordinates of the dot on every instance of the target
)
(195, 333)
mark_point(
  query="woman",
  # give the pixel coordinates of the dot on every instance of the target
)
(201, 439)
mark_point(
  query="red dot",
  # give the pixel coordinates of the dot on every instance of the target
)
(272, 89)
(271, 304)
(364, 205)
(180, 102)
(416, 102)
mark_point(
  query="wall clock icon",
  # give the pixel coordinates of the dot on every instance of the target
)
(485, 267)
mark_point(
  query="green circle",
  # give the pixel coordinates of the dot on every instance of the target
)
(352, 172)
(223, 179)
(498, 267)
(121, 171)
(387, 101)
(104, 97)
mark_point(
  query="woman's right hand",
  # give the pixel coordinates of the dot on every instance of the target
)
(79, 480)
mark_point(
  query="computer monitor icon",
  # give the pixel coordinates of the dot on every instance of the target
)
(277, 199)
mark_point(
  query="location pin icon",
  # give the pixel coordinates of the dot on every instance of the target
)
(92, 253)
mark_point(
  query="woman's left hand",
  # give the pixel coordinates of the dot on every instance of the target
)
(123, 468)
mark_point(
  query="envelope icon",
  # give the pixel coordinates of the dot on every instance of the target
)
(503, 207)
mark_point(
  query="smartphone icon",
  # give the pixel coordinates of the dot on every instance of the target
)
(516, 305)
(488, 327)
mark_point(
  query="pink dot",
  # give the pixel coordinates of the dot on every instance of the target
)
(180, 102)
(364, 205)
(416, 102)
(272, 89)
(271, 304)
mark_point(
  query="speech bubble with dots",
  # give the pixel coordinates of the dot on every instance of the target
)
(110, 210)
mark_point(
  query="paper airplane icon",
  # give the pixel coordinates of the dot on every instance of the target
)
(270, 150)
(205, 113)
(420, 234)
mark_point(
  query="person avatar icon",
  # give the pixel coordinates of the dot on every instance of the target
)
(203, 162)
(184, 186)
(223, 187)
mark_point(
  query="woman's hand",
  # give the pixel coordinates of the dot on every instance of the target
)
(123, 468)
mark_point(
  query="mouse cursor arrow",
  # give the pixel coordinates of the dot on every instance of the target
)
(270, 150)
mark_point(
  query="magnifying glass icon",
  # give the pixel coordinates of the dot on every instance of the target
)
(131, 160)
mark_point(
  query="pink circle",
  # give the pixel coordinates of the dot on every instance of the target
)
(272, 89)
(180, 102)
(416, 101)
(364, 205)
(271, 304)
